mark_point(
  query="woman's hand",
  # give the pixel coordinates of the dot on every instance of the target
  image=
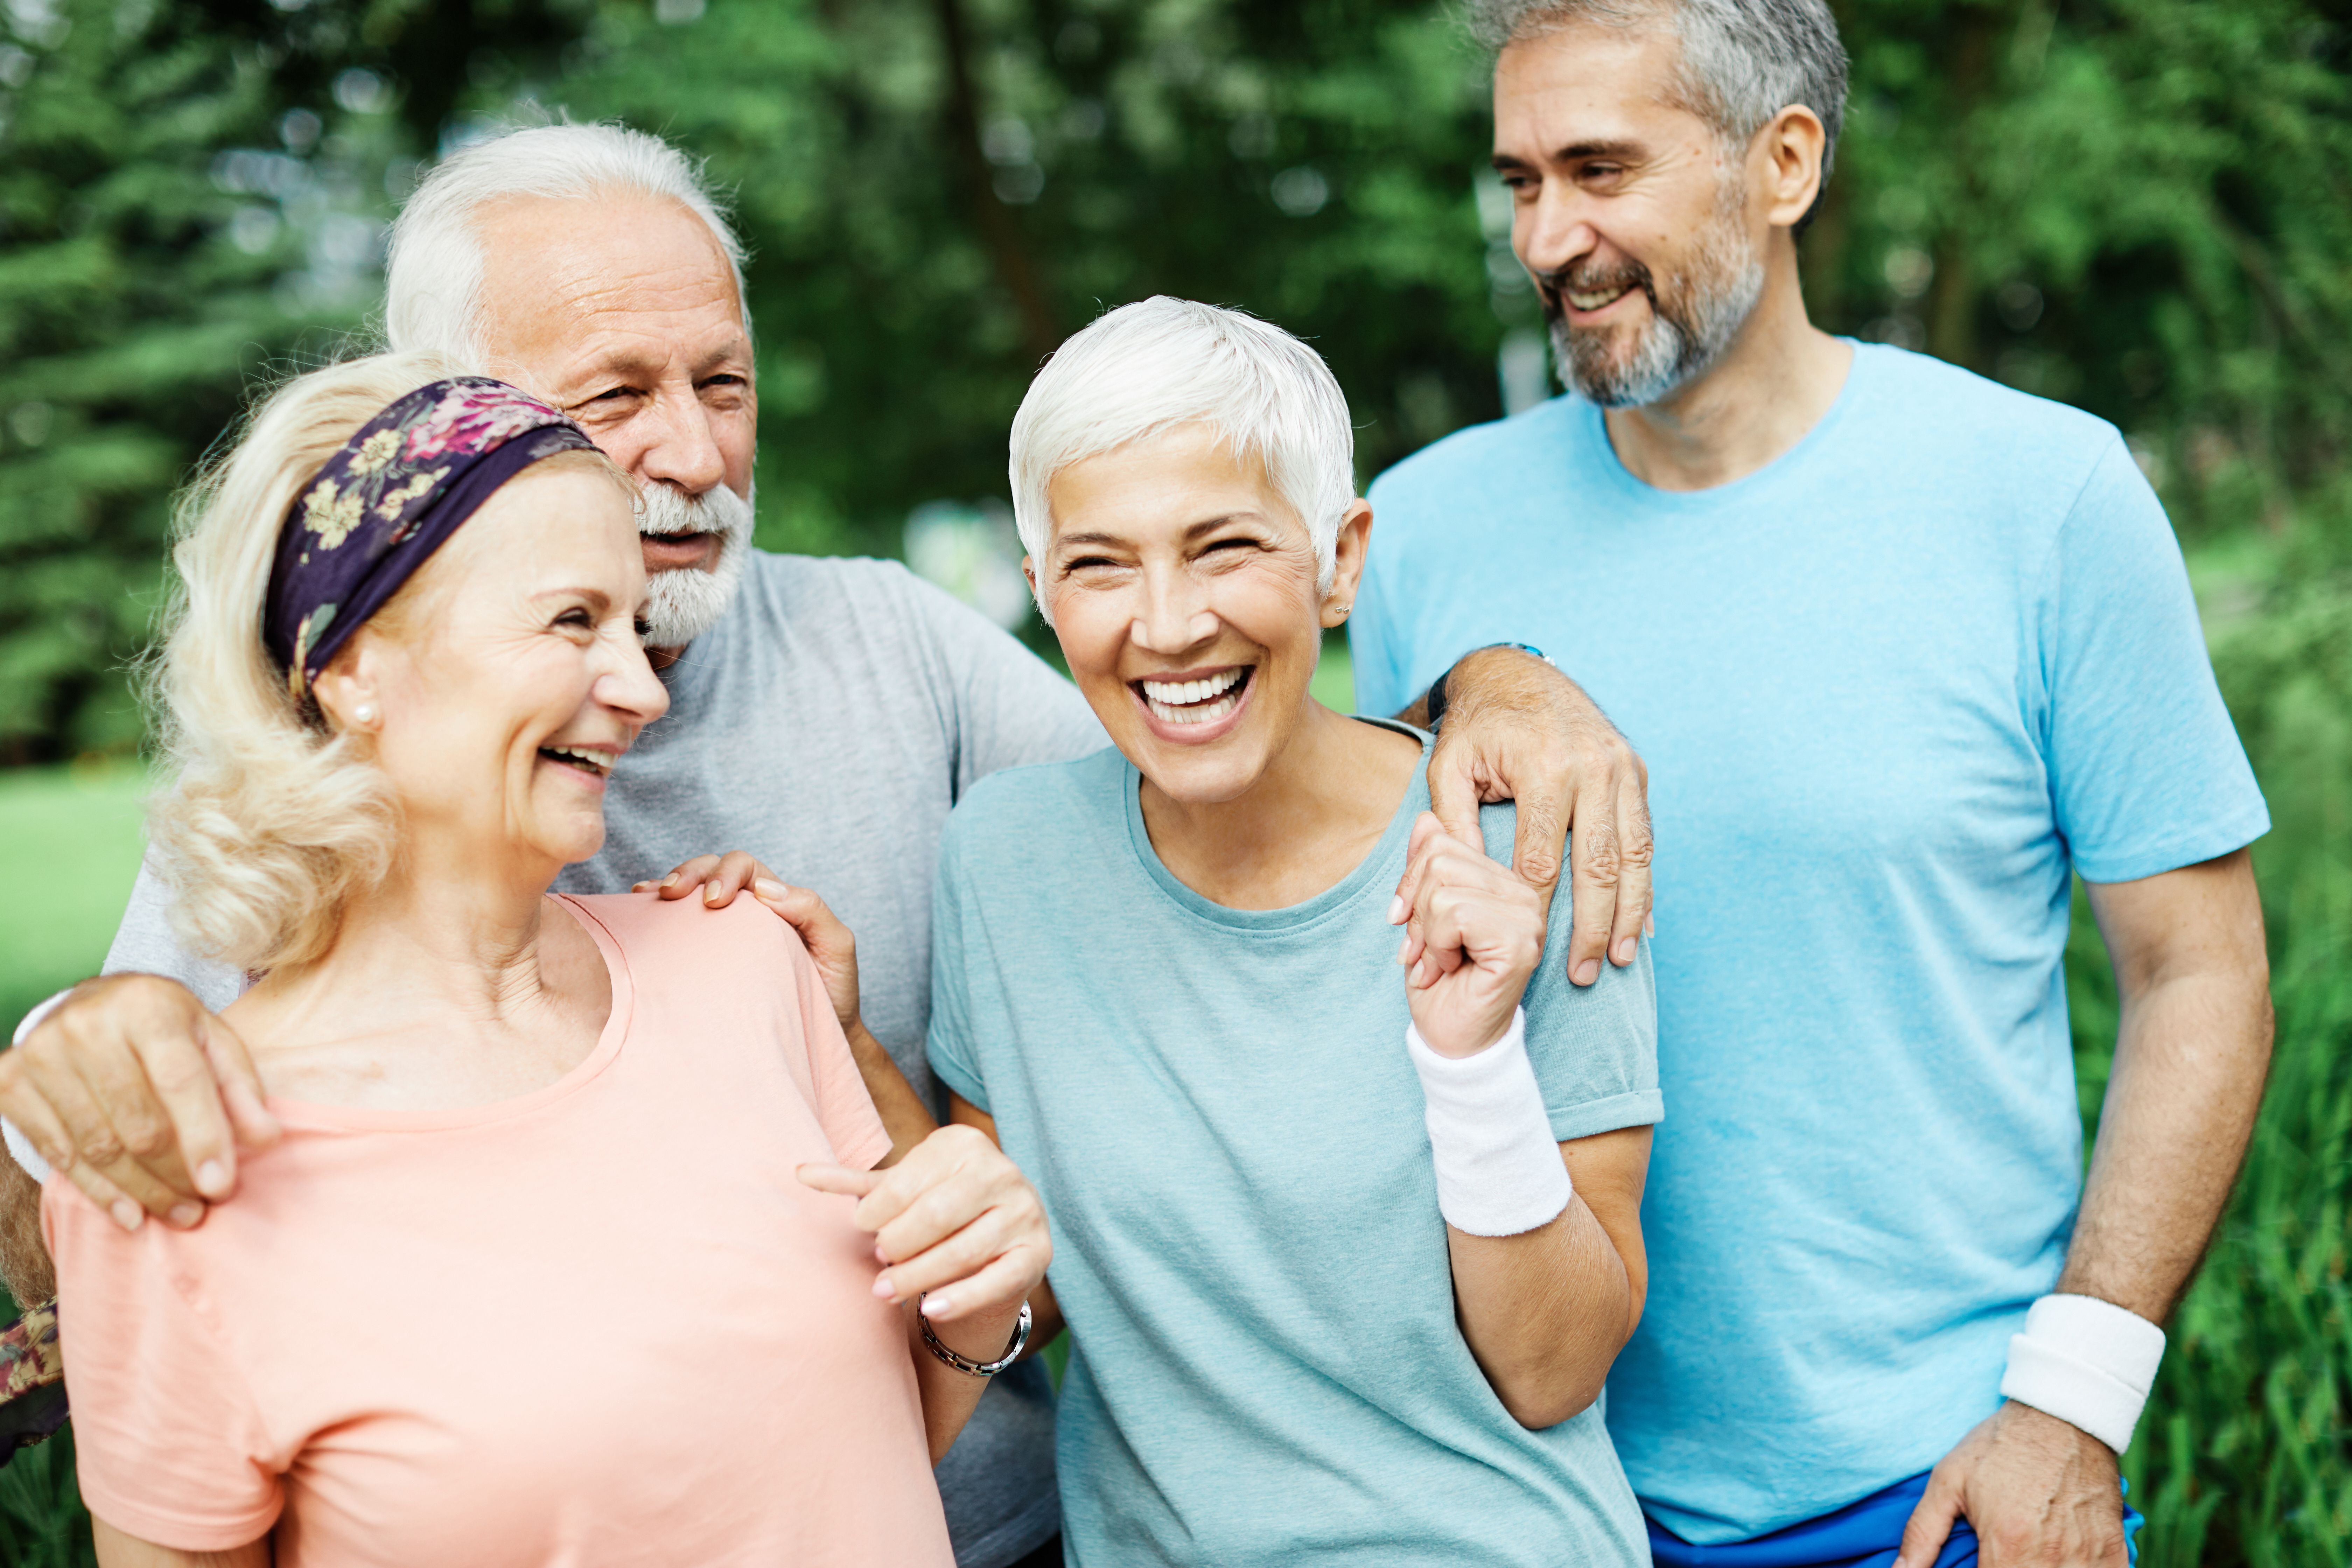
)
(954, 1218)
(718, 878)
(1474, 933)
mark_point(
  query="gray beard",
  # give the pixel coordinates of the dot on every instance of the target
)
(680, 606)
(1683, 339)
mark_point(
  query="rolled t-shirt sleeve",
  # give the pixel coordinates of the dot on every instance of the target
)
(1595, 1048)
(168, 1444)
(2146, 771)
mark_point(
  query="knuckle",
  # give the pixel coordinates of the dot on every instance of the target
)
(102, 1148)
(147, 1140)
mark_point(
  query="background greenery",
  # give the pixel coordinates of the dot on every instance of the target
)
(2143, 206)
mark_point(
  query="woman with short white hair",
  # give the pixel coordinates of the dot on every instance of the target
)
(550, 1265)
(1345, 1254)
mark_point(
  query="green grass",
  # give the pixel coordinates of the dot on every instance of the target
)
(69, 848)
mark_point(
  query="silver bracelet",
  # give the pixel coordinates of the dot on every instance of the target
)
(964, 1363)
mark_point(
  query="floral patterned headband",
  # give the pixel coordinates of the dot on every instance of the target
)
(386, 502)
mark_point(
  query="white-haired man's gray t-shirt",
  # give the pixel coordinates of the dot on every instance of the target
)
(827, 724)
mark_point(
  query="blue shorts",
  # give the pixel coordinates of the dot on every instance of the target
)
(1865, 1535)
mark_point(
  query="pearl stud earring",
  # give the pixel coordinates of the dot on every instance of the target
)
(364, 714)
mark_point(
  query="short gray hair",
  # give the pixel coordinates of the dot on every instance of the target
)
(433, 277)
(1163, 362)
(1743, 61)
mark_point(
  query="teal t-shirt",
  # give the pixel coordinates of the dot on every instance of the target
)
(1218, 1110)
(1891, 690)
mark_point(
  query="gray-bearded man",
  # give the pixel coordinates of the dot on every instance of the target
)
(824, 716)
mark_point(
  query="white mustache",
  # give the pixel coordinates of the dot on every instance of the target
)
(662, 510)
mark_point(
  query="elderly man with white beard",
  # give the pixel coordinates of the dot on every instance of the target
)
(824, 716)
(1906, 650)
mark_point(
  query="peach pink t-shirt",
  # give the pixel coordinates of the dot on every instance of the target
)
(599, 1324)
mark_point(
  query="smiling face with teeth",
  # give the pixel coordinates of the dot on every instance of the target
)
(1183, 591)
(507, 678)
(1643, 228)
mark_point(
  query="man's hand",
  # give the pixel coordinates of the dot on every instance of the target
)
(1516, 729)
(2038, 1492)
(717, 878)
(132, 1090)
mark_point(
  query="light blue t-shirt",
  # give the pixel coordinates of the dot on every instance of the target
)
(1891, 690)
(1217, 1107)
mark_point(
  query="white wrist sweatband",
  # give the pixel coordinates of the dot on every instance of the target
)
(20, 1148)
(2087, 1362)
(1498, 1166)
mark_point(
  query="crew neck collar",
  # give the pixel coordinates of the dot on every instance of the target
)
(1375, 873)
(1592, 428)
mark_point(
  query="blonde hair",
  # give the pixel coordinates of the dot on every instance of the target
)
(273, 821)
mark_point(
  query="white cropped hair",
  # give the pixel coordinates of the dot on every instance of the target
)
(433, 277)
(1162, 362)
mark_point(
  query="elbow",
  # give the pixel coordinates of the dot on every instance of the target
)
(1544, 1404)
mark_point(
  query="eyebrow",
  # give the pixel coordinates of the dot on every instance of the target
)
(1619, 148)
(1095, 539)
(630, 366)
(598, 600)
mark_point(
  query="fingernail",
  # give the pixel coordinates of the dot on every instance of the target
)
(1649, 925)
(884, 1289)
(184, 1215)
(768, 889)
(710, 892)
(936, 1305)
(1396, 911)
(1588, 972)
(126, 1213)
(212, 1179)
(670, 880)
(1625, 950)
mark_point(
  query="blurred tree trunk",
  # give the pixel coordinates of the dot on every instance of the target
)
(1952, 298)
(998, 229)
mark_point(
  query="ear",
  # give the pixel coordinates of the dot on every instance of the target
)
(1348, 561)
(1791, 148)
(350, 690)
(1029, 570)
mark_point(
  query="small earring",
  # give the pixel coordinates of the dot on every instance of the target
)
(364, 714)
(1344, 609)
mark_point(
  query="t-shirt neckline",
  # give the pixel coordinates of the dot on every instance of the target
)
(311, 1116)
(1592, 426)
(1368, 871)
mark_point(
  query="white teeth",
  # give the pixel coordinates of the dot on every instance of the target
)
(1186, 692)
(595, 762)
(1594, 301)
(1205, 715)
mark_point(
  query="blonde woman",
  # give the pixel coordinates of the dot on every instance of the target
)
(547, 1266)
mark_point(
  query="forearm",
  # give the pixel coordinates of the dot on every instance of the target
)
(24, 1264)
(116, 1550)
(2190, 1058)
(904, 1115)
(949, 1396)
(1544, 1312)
